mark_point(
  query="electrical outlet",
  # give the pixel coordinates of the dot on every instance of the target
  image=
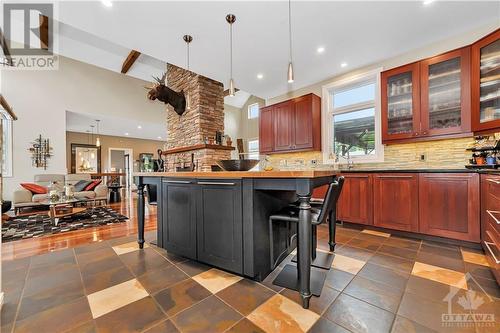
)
(314, 162)
(423, 157)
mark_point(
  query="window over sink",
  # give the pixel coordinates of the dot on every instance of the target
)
(352, 126)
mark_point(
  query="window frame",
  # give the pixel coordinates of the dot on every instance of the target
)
(328, 111)
(7, 129)
(248, 111)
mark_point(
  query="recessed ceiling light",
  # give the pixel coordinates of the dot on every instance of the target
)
(159, 137)
(139, 127)
(260, 76)
(107, 3)
(344, 64)
(126, 133)
(321, 49)
(428, 2)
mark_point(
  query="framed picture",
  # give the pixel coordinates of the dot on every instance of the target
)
(85, 158)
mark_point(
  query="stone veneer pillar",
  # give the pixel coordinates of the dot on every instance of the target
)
(204, 117)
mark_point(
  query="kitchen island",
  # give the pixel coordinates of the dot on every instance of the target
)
(221, 218)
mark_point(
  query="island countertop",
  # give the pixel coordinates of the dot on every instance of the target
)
(242, 174)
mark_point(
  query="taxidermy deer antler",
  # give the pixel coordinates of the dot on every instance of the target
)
(168, 96)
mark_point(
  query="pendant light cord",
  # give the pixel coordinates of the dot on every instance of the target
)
(187, 56)
(231, 49)
(290, 27)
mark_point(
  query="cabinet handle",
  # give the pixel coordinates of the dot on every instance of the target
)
(415, 134)
(493, 181)
(177, 181)
(215, 183)
(425, 132)
(493, 216)
(491, 251)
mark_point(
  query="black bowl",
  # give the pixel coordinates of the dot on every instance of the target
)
(6, 206)
(237, 165)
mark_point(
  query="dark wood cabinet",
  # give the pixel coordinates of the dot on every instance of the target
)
(449, 205)
(395, 201)
(220, 223)
(293, 125)
(266, 130)
(356, 200)
(445, 93)
(429, 99)
(485, 81)
(490, 221)
(400, 89)
(283, 126)
(179, 216)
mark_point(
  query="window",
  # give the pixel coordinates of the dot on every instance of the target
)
(353, 128)
(253, 111)
(253, 149)
(6, 147)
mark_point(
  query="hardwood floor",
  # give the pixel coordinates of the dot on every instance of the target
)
(128, 207)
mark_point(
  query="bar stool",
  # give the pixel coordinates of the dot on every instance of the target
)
(326, 211)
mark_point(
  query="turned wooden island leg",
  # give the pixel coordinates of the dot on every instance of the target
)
(140, 213)
(304, 249)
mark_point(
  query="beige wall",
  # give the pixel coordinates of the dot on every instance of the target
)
(138, 146)
(439, 154)
(237, 125)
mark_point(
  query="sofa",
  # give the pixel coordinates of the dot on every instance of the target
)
(23, 198)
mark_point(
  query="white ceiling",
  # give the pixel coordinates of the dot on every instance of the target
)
(359, 33)
(80, 122)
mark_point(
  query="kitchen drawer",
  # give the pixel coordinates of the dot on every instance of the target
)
(493, 225)
(493, 186)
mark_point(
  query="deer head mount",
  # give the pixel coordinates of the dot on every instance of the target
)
(168, 96)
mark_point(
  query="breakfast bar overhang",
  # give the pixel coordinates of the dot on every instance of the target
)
(221, 218)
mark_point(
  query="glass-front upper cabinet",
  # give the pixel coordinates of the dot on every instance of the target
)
(445, 93)
(486, 83)
(400, 102)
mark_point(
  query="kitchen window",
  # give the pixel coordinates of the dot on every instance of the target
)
(6, 147)
(352, 126)
(253, 149)
(253, 111)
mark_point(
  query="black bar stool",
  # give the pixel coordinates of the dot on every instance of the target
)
(319, 215)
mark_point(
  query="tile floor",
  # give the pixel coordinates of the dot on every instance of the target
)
(378, 283)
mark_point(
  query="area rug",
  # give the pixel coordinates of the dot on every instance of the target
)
(38, 225)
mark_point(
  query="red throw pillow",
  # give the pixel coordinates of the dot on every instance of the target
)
(35, 188)
(93, 185)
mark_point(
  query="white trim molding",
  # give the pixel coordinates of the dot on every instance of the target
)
(327, 113)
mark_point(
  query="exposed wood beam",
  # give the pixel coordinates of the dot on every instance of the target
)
(131, 58)
(44, 32)
(5, 49)
(7, 107)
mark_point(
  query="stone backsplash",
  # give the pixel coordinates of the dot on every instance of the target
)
(440, 154)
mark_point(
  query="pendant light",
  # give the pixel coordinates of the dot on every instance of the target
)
(188, 39)
(230, 18)
(290, 62)
(97, 140)
(91, 140)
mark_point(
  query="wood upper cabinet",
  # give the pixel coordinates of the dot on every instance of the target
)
(445, 93)
(427, 99)
(293, 125)
(485, 80)
(266, 130)
(449, 205)
(400, 89)
(283, 126)
(356, 200)
(395, 200)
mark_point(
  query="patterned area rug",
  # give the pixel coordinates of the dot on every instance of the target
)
(38, 225)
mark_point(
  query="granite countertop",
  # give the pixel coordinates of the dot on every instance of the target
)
(493, 171)
(242, 174)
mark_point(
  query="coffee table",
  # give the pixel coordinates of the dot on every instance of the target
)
(52, 208)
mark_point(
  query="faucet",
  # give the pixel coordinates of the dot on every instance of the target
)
(350, 162)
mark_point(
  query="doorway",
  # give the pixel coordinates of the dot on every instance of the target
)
(119, 160)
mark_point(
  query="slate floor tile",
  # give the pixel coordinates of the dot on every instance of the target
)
(181, 296)
(161, 278)
(245, 295)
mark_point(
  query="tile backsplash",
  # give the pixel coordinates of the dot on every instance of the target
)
(440, 154)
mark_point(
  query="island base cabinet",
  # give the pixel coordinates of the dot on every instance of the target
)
(449, 205)
(395, 200)
(179, 216)
(355, 202)
(219, 224)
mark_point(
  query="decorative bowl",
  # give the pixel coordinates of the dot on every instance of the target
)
(237, 165)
